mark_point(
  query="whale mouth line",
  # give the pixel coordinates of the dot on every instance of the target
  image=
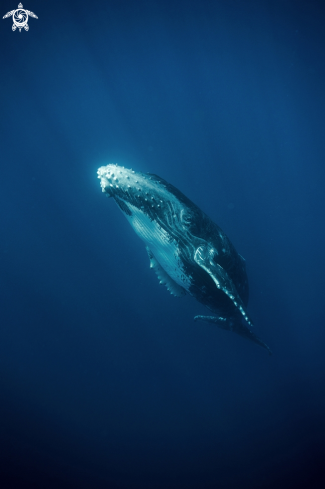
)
(123, 206)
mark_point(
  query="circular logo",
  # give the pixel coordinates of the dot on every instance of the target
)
(20, 18)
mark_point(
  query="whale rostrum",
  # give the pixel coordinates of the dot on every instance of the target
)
(187, 250)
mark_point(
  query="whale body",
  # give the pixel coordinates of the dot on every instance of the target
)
(187, 250)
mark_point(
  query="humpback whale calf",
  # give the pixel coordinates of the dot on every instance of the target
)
(189, 252)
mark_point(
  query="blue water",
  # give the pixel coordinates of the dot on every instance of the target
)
(106, 381)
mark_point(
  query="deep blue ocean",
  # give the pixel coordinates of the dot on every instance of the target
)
(105, 379)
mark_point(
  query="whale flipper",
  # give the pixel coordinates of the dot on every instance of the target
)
(235, 325)
(163, 276)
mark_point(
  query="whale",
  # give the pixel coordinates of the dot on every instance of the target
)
(189, 253)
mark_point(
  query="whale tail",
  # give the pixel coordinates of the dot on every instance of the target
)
(235, 325)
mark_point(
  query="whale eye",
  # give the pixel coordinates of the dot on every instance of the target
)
(185, 217)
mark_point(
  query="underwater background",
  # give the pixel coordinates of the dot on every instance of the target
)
(106, 381)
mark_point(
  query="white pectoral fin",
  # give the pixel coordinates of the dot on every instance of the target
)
(163, 276)
(204, 258)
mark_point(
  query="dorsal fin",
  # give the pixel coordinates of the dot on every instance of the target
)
(163, 276)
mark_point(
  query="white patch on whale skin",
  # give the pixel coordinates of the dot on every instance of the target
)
(164, 249)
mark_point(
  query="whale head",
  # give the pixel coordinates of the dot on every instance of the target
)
(145, 198)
